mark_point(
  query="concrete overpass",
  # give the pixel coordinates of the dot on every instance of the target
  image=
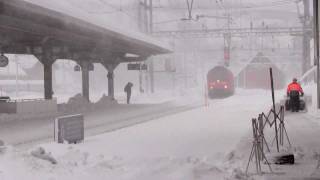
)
(27, 28)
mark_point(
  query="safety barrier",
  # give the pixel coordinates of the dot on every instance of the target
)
(275, 120)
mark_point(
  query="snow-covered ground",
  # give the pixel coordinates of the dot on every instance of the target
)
(188, 145)
(204, 143)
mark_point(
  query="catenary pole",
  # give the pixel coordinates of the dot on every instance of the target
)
(316, 45)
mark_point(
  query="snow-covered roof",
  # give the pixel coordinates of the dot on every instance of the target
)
(66, 7)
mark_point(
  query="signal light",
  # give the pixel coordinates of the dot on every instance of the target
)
(225, 86)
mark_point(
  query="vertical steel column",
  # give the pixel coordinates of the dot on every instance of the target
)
(151, 71)
(306, 37)
(150, 16)
(146, 16)
(140, 81)
(316, 45)
(85, 79)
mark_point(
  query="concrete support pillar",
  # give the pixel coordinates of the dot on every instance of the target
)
(47, 71)
(45, 56)
(110, 66)
(111, 84)
(85, 79)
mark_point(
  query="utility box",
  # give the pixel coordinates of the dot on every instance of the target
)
(69, 129)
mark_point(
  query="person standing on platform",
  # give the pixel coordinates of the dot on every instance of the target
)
(127, 89)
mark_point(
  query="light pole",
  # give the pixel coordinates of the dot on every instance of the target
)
(17, 74)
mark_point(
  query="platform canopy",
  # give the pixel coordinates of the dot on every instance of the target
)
(35, 23)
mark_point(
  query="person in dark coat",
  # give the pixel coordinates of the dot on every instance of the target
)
(127, 89)
(293, 91)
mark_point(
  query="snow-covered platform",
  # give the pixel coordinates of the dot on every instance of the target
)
(96, 122)
(186, 145)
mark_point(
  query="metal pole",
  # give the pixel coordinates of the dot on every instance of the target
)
(151, 65)
(17, 75)
(145, 5)
(274, 109)
(140, 80)
(306, 38)
(316, 45)
(151, 16)
(151, 71)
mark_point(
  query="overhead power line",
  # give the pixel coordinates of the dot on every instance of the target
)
(116, 9)
(250, 6)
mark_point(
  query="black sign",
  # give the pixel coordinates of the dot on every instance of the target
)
(137, 66)
(69, 128)
(4, 61)
(78, 67)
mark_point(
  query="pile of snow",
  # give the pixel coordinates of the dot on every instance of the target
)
(105, 101)
(42, 154)
(79, 104)
(76, 103)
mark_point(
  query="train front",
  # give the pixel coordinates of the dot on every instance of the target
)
(220, 82)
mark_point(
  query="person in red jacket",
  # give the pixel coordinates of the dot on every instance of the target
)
(294, 91)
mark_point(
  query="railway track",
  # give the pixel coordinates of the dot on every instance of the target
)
(24, 135)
